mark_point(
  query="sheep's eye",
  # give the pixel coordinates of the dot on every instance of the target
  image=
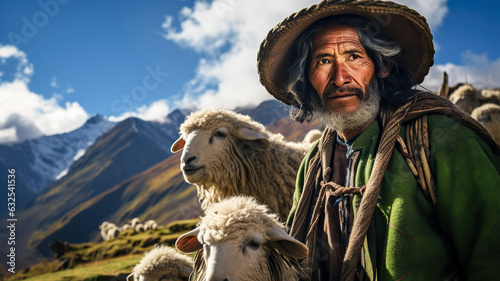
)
(252, 245)
(221, 133)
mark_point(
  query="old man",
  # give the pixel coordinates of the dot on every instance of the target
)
(402, 184)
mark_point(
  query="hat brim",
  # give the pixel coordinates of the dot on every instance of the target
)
(395, 21)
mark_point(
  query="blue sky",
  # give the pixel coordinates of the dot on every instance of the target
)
(62, 61)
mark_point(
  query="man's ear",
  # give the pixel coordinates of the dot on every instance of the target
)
(386, 70)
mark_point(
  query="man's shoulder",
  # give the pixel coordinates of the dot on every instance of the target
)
(444, 131)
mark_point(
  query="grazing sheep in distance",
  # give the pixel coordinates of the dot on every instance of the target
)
(150, 224)
(162, 263)
(109, 230)
(112, 233)
(226, 154)
(126, 227)
(133, 222)
(489, 116)
(242, 241)
(104, 229)
(139, 228)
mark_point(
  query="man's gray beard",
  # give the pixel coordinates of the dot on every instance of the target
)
(343, 122)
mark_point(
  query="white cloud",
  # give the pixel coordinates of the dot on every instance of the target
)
(433, 10)
(157, 111)
(477, 69)
(25, 114)
(8, 51)
(24, 69)
(228, 33)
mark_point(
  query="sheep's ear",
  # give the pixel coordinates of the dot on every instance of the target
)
(254, 138)
(188, 242)
(178, 145)
(286, 244)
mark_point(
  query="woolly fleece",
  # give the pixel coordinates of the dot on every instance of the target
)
(161, 261)
(267, 175)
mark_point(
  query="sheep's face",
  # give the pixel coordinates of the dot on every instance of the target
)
(202, 147)
(243, 253)
(239, 237)
(238, 259)
(204, 150)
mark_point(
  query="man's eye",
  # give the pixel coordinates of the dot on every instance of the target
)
(354, 56)
(324, 61)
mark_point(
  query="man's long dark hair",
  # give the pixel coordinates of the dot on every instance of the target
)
(382, 52)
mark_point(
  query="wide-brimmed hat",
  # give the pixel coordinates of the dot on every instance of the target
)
(397, 22)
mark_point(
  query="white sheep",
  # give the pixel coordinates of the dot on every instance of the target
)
(104, 229)
(150, 224)
(466, 98)
(491, 95)
(139, 228)
(226, 154)
(133, 222)
(489, 116)
(112, 233)
(108, 230)
(242, 241)
(162, 263)
(126, 227)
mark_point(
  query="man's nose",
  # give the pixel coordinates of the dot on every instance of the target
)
(339, 75)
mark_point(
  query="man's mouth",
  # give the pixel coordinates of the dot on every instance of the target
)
(343, 93)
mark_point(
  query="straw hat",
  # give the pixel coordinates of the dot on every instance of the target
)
(397, 22)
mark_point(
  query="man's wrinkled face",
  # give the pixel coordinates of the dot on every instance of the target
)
(339, 69)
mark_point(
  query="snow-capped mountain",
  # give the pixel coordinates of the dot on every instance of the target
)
(53, 155)
(41, 161)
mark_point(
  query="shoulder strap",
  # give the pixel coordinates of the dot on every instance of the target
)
(416, 151)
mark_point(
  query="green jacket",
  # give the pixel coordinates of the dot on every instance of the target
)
(407, 238)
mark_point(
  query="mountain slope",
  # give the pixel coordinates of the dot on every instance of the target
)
(41, 161)
(159, 193)
(267, 112)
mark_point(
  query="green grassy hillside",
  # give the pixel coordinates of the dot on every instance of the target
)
(106, 260)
